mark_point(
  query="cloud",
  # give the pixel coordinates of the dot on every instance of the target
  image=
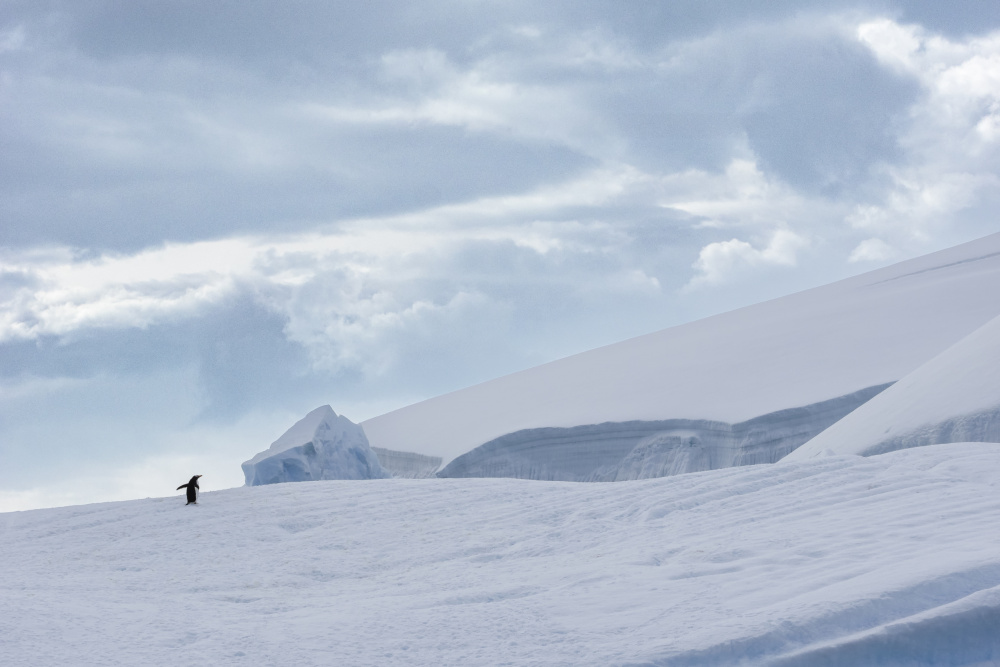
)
(871, 250)
(951, 150)
(721, 261)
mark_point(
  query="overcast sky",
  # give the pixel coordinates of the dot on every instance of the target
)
(215, 217)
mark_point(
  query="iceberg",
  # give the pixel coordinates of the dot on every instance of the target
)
(321, 445)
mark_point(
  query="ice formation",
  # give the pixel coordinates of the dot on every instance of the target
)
(954, 397)
(408, 465)
(619, 451)
(321, 445)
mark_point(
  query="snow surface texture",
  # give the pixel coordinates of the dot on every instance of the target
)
(793, 351)
(407, 465)
(839, 560)
(954, 397)
(619, 451)
(321, 445)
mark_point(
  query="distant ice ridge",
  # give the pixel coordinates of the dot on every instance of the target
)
(954, 397)
(408, 465)
(321, 445)
(620, 451)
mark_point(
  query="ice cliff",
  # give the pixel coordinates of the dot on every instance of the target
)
(321, 445)
(408, 465)
(954, 397)
(618, 451)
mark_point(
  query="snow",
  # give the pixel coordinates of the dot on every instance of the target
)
(839, 560)
(789, 352)
(621, 451)
(953, 397)
(321, 445)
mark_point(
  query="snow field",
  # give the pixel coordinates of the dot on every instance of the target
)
(892, 559)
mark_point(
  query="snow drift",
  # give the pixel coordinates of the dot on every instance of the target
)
(619, 451)
(954, 397)
(321, 445)
(795, 351)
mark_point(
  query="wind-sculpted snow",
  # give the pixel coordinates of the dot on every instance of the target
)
(619, 451)
(840, 560)
(954, 397)
(321, 445)
(407, 465)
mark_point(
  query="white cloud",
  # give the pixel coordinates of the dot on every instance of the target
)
(871, 250)
(950, 140)
(720, 262)
(349, 295)
(740, 196)
(483, 98)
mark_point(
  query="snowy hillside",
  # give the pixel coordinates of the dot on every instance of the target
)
(952, 398)
(840, 560)
(791, 352)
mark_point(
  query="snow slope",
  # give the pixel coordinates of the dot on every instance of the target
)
(321, 445)
(839, 560)
(789, 352)
(953, 397)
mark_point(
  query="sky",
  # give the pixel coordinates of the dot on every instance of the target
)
(215, 217)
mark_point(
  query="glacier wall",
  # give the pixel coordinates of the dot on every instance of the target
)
(983, 426)
(618, 451)
(408, 465)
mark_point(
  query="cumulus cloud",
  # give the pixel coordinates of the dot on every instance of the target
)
(723, 260)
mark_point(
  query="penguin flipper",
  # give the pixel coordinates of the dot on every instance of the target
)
(182, 486)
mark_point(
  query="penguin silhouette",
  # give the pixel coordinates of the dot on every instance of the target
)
(192, 489)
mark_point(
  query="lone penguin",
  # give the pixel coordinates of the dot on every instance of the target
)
(192, 489)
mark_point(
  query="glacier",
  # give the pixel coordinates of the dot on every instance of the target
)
(321, 445)
(621, 451)
(793, 351)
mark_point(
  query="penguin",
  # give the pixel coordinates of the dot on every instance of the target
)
(192, 489)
